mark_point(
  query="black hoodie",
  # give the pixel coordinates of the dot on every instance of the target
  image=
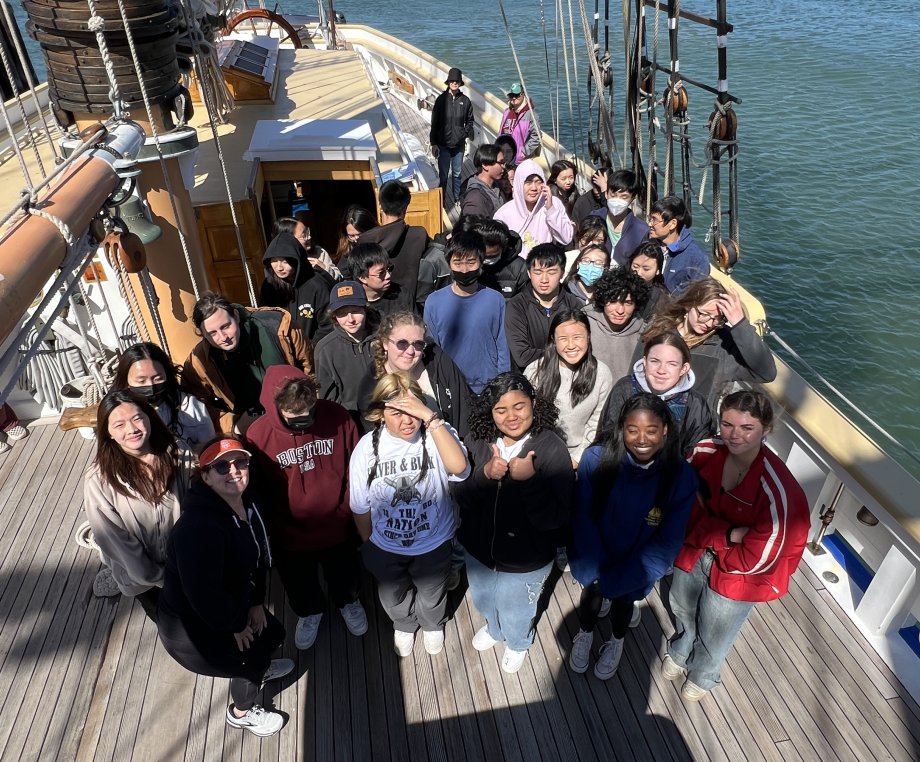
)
(341, 363)
(405, 245)
(509, 274)
(309, 303)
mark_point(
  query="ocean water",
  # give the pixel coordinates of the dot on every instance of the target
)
(829, 172)
(829, 169)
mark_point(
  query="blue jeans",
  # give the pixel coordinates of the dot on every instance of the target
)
(450, 162)
(707, 624)
(507, 600)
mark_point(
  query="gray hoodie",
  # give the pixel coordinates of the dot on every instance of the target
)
(479, 198)
(614, 348)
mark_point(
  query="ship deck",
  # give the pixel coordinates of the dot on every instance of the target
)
(86, 678)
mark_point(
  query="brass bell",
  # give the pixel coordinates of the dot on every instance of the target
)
(135, 217)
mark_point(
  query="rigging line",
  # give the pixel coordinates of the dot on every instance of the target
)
(652, 142)
(14, 141)
(560, 14)
(7, 67)
(27, 71)
(156, 139)
(209, 108)
(581, 137)
(595, 70)
(517, 66)
(549, 82)
(852, 405)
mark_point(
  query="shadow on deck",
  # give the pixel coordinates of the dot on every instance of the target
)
(85, 678)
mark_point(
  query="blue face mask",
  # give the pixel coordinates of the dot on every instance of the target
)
(590, 273)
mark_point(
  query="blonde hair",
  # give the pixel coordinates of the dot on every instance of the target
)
(392, 386)
(387, 325)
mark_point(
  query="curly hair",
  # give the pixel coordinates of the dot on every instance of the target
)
(672, 313)
(482, 423)
(387, 325)
(617, 285)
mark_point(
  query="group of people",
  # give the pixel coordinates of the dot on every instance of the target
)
(491, 403)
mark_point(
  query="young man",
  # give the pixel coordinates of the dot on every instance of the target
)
(685, 261)
(303, 446)
(625, 231)
(238, 345)
(467, 320)
(529, 314)
(616, 319)
(517, 121)
(451, 127)
(482, 196)
(405, 244)
(502, 269)
(345, 355)
(370, 265)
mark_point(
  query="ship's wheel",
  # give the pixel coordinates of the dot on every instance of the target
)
(253, 17)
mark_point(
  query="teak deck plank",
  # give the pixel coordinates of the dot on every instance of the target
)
(90, 680)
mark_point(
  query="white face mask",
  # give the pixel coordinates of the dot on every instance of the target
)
(616, 206)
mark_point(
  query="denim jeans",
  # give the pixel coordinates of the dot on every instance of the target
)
(450, 162)
(507, 600)
(707, 624)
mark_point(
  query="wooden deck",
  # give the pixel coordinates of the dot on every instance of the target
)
(86, 678)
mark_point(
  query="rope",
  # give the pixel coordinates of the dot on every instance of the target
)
(127, 293)
(27, 70)
(517, 65)
(776, 337)
(22, 110)
(96, 24)
(577, 139)
(95, 329)
(15, 143)
(156, 139)
(596, 72)
(653, 144)
(153, 303)
(549, 79)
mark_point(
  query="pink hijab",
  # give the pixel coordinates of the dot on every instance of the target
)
(538, 225)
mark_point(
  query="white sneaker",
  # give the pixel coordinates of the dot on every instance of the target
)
(278, 669)
(512, 660)
(403, 642)
(606, 603)
(259, 721)
(17, 432)
(670, 669)
(355, 617)
(692, 692)
(482, 641)
(306, 631)
(636, 618)
(5, 447)
(609, 659)
(433, 641)
(581, 652)
(562, 559)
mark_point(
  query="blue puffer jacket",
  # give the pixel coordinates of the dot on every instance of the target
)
(686, 262)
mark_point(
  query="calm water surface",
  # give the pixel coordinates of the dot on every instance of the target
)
(829, 167)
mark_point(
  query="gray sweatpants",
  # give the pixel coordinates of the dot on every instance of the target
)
(412, 589)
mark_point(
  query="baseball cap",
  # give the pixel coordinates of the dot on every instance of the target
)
(219, 449)
(346, 294)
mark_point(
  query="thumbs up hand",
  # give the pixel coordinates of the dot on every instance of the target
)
(497, 466)
(522, 468)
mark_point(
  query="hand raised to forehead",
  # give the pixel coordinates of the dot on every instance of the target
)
(411, 405)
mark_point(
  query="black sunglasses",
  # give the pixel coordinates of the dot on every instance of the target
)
(222, 467)
(403, 344)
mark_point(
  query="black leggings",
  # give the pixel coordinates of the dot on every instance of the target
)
(589, 609)
(220, 657)
(148, 600)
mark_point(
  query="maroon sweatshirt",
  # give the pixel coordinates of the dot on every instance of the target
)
(303, 475)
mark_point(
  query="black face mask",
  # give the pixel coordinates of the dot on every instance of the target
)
(154, 393)
(465, 279)
(300, 422)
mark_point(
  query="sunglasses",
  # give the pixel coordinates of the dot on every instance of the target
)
(222, 467)
(403, 345)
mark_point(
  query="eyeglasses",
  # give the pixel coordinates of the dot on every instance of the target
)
(403, 345)
(654, 222)
(515, 96)
(705, 317)
(382, 274)
(222, 467)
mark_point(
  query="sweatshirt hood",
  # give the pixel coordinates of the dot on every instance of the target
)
(525, 169)
(275, 377)
(285, 246)
(684, 385)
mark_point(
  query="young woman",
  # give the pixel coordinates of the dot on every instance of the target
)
(294, 284)
(316, 254)
(131, 494)
(400, 346)
(398, 479)
(343, 357)
(724, 345)
(587, 269)
(534, 213)
(212, 616)
(146, 370)
(633, 499)
(514, 510)
(570, 376)
(664, 370)
(562, 183)
(745, 539)
(647, 261)
(355, 221)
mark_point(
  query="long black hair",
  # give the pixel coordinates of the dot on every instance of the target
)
(548, 378)
(482, 424)
(147, 351)
(608, 469)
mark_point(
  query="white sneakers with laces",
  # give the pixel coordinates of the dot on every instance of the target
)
(581, 651)
(609, 659)
(306, 631)
(513, 660)
(482, 641)
(258, 721)
(355, 617)
(403, 643)
(433, 640)
(17, 432)
(670, 669)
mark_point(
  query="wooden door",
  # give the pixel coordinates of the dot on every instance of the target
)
(221, 250)
(425, 210)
